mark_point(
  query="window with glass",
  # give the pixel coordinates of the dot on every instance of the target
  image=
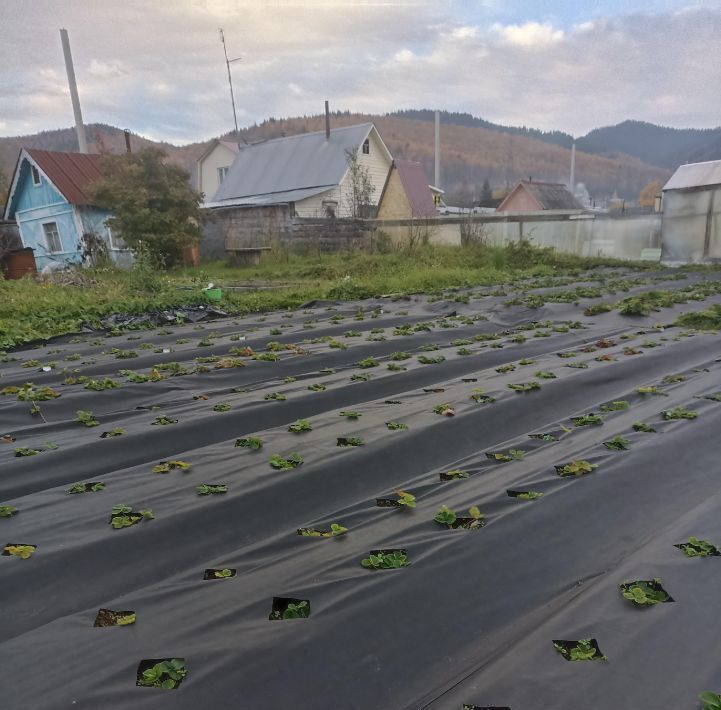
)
(52, 237)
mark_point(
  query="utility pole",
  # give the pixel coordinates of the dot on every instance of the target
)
(228, 62)
(79, 127)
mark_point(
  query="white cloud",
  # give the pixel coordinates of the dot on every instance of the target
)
(530, 34)
(106, 70)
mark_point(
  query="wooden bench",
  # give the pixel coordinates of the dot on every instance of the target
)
(245, 256)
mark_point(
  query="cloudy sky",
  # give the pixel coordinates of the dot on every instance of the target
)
(158, 67)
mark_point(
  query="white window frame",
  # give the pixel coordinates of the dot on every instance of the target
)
(34, 172)
(366, 149)
(116, 243)
(48, 246)
(222, 173)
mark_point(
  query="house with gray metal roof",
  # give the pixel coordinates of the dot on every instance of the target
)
(691, 205)
(533, 196)
(309, 172)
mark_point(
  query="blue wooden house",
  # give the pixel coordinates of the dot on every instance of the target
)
(49, 203)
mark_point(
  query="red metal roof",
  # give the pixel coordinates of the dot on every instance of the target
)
(70, 173)
(415, 183)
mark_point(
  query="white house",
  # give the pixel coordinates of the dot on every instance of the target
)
(213, 165)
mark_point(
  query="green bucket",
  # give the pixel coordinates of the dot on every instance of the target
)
(213, 294)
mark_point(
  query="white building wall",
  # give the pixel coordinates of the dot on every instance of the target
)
(220, 157)
(686, 216)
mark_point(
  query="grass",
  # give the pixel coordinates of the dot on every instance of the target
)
(37, 310)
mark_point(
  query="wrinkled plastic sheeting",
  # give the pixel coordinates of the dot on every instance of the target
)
(184, 314)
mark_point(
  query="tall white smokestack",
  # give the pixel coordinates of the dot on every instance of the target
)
(437, 173)
(80, 129)
(572, 180)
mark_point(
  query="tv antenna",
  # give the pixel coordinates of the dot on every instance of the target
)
(228, 62)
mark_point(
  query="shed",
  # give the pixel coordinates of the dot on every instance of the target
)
(407, 194)
(532, 196)
(691, 205)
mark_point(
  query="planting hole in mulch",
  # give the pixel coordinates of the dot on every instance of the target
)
(335, 530)
(645, 592)
(433, 390)
(388, 503)
(698, 548)
(453, 475)
(288, 608)
(581, 650)
(22, 550)
(386, 559)
(166, 673)
(349, 441)
(392, 401)
(524, 495)
(469, 379)
(107, 617)
(222, 573)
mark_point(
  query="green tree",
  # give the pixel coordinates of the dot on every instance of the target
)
(154, 208)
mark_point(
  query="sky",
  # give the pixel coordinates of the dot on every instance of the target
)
(158, 68)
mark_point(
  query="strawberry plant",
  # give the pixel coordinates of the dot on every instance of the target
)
(506, 368)
(400, 356)
(618, 443)
(614, 406)
(642, 426)
(367, 362)
(525, 495)
(480, 398)
(7, 511)
(349, 441)
(30, 393)
(289, 609)
(207, 489)
(221, 407)
(645, 592)
(100, 385)
(335, 530)
(167, 673)
(360, 377)
(286, 463)
(425, 360)
(396, 426)
(92, 487)
(651, 390)
(698, 548)
(679, 413)
(404, 500)
(587, 420)
(123, 516)
(118, 431)
(300, 426)
(581, 650)
(163, 421)
(249, 442)
(274, 396)
(577, 467)
(107, 617)
(24, 552)
(445, 410)
(524, 386)
(350, 414)
(577, 365)
(545, 375)
(317, 387)
(25, 451)
(711, 701)
(225, 573)
(474, 521)
(395, 367)
(453, 475)
(167, 466)
(352, 334)
(512, 455)
(86, 418)
(567, 355)
(386, 559)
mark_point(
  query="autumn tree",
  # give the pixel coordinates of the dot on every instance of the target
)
(358, 199)
(647, 196)
(153, 206)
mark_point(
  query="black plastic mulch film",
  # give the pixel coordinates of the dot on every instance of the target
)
(187, 569)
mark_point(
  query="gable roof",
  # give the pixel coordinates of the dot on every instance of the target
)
(415, 183)
(695, 175)
(283, 169)
(548, 195)
(229, 143)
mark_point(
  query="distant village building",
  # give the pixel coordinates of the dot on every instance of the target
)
(691, 205)
(407, 194)
(532, 196)
(49, 203)
(213, 165)
(273, 185)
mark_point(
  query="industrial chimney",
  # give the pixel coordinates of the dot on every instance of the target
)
(437, 173)
(327, 122)
(79, 128)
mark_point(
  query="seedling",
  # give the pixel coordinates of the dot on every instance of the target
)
(92, 487)
(698, 548)
(108, 617)
(225, 573)
(679, 413)
(167, 673)
(300, 426)
(567, 355)
(526, 361)
(444, 409)
(453, 475)
(386, 559)
(86, 418)
(350, 414)
(642, 426)
(281, 463)
(577, 467)
(481, 398)
(25, 451)
(618, 443)
(7, 511)
(587, 420)
(335, 531)
(249, 442)
(30, 393)
(425, 360)
(163, 421)
(512, 455)
(404, 500)
(396, 426)
(525, 495)
(317, 387)
(367, 362)
(221, 407)
(447, 517)
(206, 489)
(118, 431)
(673, 379)
(400, 356)
(548, 436)
(711, 701)
(578, 365)
(284, 608)
(20, 550)
(167, 466)
(123, 516)
(360, 377)
(274, 396)
(617, 406)
(506, 368)
(545, 375)
(651, 390)
(349, 441)
(581, 650)
(605, 358)
(100, 385)
(524, 386)
(645, 592)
